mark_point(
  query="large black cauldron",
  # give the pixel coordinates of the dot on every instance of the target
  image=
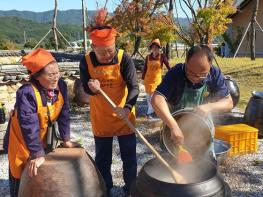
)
(233, 89)
(254, 112)
(202, 177)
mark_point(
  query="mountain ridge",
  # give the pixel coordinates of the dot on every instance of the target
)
(72, 16)
(15, 28)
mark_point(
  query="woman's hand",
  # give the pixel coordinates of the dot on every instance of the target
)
(70, 144)
(94, 85)
(122, 112)
(34, 164)
(177, 136)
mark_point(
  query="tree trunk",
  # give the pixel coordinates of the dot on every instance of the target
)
(168, 51)
(84, 26)
(55, 24)
(252, 41)
(176, 48)
(168, 45)
(138, 40)
(137, 44)
(253, 32)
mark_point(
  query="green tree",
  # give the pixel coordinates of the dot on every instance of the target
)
(165, 31)
(208, 19)
(8, 45)
(51, 44)
(15, 29)
(31, 43)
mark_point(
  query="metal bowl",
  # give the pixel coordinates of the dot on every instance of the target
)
(196, 130)
(221, 149)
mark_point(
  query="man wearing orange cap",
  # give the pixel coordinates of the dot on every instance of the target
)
(152, 72)
(38, 105)
(113, 71)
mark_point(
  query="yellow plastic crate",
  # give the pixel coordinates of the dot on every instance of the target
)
(243, 138)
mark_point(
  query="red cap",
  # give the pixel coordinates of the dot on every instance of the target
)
(103, 37)
(37, 59)
(102, 34)
(156, 42)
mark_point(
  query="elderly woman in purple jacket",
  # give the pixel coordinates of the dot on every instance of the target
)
(38, 105)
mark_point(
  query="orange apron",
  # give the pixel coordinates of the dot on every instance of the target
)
(104, 122)
(18, 153)
(153, 76)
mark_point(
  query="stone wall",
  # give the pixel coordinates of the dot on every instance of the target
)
(2, 134)
(8, 92)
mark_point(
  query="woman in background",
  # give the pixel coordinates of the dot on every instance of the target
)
(152, 72)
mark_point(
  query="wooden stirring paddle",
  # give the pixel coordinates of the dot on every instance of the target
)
(184, 156)
(178, 178)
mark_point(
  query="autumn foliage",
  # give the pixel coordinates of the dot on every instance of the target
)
(139, 20)
(213, 19)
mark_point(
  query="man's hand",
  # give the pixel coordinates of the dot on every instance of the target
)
(177, 136)
(122, 112)
(203, 110)
(94, 85)
(70, 144)
(34, 164)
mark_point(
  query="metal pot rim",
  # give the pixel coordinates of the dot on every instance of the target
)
(180, 112)
(214, 172)
(223, 143)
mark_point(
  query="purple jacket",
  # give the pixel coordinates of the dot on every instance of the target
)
(26, 106)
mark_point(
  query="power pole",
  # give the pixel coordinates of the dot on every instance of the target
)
(54, 28)
(84, 25)
(24, 37)
(78, 36)
(253, 32)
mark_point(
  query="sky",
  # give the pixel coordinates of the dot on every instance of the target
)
(44, 5)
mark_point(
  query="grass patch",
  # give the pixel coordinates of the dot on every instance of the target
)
(248, 75)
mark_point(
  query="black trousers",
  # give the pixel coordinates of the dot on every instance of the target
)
(13, 185)
(103, 158)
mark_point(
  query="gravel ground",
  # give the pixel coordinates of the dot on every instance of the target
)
(243, 173)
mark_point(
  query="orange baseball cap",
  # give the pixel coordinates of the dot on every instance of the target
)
(156, 42)
(103, 37)
(37, 59)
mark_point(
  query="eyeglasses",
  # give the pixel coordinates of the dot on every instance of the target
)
(52, 75)
(106, 52)
(199, 76)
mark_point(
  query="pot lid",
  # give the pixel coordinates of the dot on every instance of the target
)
(258, 95)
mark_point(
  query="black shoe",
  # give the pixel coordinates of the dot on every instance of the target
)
(126, 190)
(154, 115)
(109, 192)
(151, 116)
